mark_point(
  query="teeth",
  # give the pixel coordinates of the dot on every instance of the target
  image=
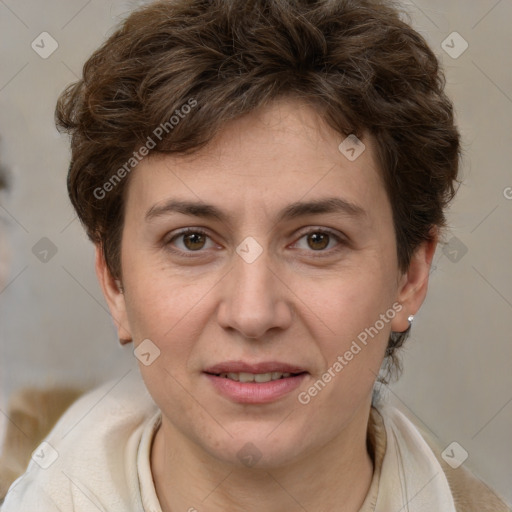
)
(251, 377)
(263, 377)
(246, 377)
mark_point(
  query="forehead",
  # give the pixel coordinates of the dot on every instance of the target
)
(276, 156)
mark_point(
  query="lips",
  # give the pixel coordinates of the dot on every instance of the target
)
(249, 383)
(255, 368)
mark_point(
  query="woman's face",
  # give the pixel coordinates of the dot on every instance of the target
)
(264, 278)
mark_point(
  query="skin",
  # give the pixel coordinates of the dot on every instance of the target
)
(288, 305)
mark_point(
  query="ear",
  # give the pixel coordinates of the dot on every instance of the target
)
(414, 282)
(112, 290)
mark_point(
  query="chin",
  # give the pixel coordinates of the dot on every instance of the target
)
(258, 450)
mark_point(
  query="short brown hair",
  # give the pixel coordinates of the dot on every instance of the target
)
(356, 61)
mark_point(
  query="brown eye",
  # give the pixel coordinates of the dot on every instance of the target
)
(318, 241)
(194, 241)
(189, 241)
(321, 241)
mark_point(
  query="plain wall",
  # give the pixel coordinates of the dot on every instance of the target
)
(55, 328)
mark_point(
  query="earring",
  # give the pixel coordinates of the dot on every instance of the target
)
(124, 341)
(410, 318)
(398, 337)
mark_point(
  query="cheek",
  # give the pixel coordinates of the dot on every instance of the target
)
(351, 328)
(346, 305)
(159, 305)
(171, 309)
(163, 311)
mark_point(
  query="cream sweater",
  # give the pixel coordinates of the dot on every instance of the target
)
(97, 458)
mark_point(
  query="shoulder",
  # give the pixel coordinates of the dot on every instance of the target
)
(91, 453)
(470, 494)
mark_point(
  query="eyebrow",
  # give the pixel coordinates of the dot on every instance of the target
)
(292, 211)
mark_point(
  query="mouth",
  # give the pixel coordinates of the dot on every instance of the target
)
(255, 377)
(255, 383)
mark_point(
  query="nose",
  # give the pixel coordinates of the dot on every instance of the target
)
(254, 299)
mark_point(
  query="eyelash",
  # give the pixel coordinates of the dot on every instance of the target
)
(200, 231)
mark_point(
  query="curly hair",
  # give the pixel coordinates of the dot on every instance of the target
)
(357, 62)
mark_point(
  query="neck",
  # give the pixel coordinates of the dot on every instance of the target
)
(187, 479)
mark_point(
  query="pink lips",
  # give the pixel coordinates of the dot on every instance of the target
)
(254, 392)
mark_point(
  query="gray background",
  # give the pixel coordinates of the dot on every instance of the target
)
(54, 325)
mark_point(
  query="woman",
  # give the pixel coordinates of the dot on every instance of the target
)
(265, 183)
